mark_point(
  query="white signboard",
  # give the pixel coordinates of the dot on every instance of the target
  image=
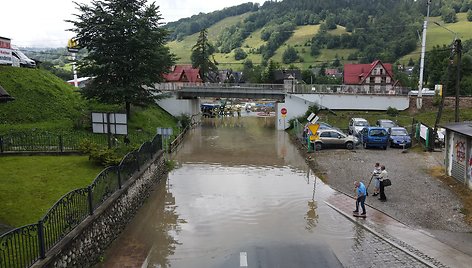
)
(315, 119)
(423, 131)
(118, 123)
(5, 51)
(166, 132)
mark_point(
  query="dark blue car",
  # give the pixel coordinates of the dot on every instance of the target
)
(399, 137)
(375, 137)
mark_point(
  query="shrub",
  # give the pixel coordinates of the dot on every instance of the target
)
(392, 111)
(98, 154)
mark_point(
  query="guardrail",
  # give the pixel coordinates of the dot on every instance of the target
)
(295, 87)
(25, 245)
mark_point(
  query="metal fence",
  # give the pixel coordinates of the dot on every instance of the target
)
(44, 141)
(25, 245)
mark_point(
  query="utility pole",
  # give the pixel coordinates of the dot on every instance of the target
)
(458, 51)
(419, 98)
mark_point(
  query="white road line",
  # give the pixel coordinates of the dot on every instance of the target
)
(243, 259)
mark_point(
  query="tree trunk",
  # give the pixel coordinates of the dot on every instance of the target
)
(128, 109)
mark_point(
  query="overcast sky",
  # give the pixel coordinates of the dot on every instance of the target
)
(40, 23)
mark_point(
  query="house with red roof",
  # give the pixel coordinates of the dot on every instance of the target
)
(375, 77)
(183, 73)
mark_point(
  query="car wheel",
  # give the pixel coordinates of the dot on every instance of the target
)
(349, 145)
(385, 147)
(318, 146)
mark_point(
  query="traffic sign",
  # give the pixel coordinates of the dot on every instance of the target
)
(283, 111)
(312, 115)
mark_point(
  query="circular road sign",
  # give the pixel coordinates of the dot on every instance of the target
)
(283, 111)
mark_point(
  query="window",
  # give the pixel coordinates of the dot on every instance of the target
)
(326, 134)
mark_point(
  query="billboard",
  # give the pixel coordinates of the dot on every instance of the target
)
(117, 125)
(5, 51)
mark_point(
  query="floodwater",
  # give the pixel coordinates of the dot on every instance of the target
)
(240, 196)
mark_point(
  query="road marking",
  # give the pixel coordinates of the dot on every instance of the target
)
(243, 259)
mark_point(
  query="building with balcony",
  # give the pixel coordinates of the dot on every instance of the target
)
(375, 77)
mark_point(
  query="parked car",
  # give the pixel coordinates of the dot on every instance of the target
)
(356, 125)
(386, 123)
(324, 125)
(399, 137)
(375, 137)
(334, 138)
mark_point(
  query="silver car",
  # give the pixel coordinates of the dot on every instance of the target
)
(334, 138)
(356, 125)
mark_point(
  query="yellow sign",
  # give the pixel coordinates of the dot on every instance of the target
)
(314, 128)
(73, 45)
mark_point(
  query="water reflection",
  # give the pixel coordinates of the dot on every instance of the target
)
(311, 216)
(151, 236)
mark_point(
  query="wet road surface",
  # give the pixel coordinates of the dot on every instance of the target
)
(242, 196)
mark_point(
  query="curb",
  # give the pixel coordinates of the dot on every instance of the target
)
(403, 249)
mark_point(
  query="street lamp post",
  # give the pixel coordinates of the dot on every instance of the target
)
(456, 49)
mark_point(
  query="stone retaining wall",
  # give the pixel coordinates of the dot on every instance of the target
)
(85, 245)
(449, 102)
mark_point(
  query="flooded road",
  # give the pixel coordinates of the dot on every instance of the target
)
(241, 196)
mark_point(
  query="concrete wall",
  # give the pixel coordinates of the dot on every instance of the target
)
(84, 246)
(297, 104)
(356, 102)
(459, 167)
(177, 107)
(449, 102)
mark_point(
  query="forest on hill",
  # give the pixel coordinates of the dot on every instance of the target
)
(386, 29)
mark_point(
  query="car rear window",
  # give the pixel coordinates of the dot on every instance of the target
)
(378, 132)
(361, 123)
(399, 132)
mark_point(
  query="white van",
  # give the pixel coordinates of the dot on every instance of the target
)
(21, 58)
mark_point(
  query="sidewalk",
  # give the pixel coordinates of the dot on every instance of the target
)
(416, 243)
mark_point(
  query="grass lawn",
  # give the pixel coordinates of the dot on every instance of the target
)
(30, 185)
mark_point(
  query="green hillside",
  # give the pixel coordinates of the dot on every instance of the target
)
(183, 49)
(41, 98)
(44, 101)
(437, 35)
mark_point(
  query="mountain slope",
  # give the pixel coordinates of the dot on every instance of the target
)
(361, 30)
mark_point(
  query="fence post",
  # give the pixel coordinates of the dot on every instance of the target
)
(118, 173)
(1, 144)
(61, 144)
(90, 203)
(41, 241)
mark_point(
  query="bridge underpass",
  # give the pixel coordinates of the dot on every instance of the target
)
(186, 98)
(251, 91)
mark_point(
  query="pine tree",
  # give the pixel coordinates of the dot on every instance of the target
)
(201, 53)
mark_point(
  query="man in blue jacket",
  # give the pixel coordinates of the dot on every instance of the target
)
(361, 194)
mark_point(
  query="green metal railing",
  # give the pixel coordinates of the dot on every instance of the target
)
(25, 245)
(44, 141)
